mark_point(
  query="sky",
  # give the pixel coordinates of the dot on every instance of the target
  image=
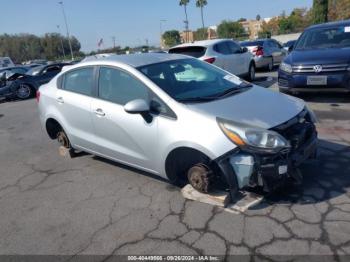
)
(131, 22)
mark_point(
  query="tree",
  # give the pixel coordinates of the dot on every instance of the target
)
(338, 10)
(201, 34)
(270, 28)
(320, 11)
(24, 47)
(258, 17)
(171, 38)
(201, 4)
(184, 3)
(230, 29)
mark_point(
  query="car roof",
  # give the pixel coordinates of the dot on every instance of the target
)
(258, 40)
(330, 24)
(204, 43)
(135, 60)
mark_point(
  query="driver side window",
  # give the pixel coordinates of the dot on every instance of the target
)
(120, 87)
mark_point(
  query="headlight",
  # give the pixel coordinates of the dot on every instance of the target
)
(286, 68)
(253, 139)
(312, 115)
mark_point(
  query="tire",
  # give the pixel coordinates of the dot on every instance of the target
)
(251, 72)
(271, 65)
(24, 91)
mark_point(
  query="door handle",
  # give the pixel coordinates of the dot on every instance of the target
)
(99, 112)
(60, 100)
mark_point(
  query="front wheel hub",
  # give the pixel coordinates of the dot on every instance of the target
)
(199, 177)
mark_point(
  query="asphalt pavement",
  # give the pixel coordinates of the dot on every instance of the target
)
(52, 205)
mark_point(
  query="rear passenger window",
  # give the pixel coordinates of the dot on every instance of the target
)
(120, 87)
(222, 48)
(80, 81)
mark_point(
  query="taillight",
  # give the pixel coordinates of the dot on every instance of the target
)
(258, 51)
(37, 96)
(210, 60)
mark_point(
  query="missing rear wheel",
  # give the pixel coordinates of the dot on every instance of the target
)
(63, 139)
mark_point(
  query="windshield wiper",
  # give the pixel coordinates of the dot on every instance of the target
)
(234, 90)
(196, 99)
(228, 92)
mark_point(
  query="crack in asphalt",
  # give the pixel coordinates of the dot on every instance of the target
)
(322, 202)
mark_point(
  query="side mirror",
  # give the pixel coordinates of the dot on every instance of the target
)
(3, 77)
(290, 49)
(137, 106)
(244, 49)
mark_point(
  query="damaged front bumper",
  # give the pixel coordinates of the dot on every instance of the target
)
(242, 169)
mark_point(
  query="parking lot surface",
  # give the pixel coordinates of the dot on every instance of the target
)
(87, 205)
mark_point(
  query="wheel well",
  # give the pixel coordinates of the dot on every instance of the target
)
(52, 128)
(180, 160)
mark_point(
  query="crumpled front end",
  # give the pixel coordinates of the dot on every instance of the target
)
(242, 168)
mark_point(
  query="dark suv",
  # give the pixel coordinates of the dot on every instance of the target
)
(320, 60)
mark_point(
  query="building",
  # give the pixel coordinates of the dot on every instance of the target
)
(252, 28)
(187, 36)
(212, 32)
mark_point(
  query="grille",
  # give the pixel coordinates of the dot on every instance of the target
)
(283, 82)
(325, 68)
(298, 130)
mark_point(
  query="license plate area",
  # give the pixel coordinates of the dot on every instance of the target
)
(317, 80)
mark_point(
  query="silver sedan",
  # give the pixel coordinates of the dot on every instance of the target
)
(179, 118)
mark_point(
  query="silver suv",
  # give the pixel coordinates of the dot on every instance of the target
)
(179, 118)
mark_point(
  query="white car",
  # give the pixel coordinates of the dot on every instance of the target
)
(224, 53)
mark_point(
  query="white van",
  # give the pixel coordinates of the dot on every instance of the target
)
(6, 62)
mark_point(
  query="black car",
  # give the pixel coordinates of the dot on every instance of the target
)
(24, 85)
(319, 61)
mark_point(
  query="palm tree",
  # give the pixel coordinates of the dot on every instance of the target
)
(201, 4)
(184, 3)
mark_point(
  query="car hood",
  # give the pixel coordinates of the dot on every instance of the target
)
(320, 56)
(15, 76)
(255, 107)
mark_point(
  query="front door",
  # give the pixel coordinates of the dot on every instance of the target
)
(122, 136)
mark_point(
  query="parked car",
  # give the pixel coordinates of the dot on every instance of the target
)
(224, 53)
(6, 77)
(13, 70)
(267, 52)
(179, 118)
(6, 62)
(24, 85)
(320, 60)
(289, 45)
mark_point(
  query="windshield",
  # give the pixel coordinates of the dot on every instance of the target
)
(335, 37)
(194, 51)
(192, 80)
(35, 71)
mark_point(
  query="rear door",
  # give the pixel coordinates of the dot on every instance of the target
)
(225, 58)
(276, 51)
(239, 60)
(73, 100)
(125, 137)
